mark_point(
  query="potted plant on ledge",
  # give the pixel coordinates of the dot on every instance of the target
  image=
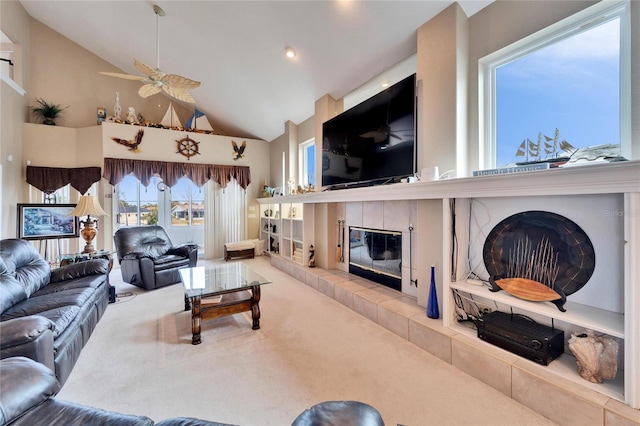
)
(47, 113)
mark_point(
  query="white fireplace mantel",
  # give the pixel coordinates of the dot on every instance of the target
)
(607, 178)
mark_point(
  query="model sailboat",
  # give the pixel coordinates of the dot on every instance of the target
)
(532, 151)
(198, 121)
(170, 118)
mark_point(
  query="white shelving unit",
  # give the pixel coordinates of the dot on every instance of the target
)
(270, 226)
(292, 232)
(618, 277)
(598, 320)
(596, 182)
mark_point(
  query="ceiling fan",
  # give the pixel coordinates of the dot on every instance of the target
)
(155, 80)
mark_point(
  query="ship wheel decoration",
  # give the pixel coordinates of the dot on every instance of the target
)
(188, 147)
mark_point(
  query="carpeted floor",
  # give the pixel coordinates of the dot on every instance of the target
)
(309, 349)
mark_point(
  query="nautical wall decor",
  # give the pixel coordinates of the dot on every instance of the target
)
(538, 256)
(132, 145)
(188, 147)
(238, 151)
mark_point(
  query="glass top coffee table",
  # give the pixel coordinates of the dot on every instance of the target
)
(219, 290)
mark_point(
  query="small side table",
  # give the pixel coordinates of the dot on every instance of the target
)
(69, 258)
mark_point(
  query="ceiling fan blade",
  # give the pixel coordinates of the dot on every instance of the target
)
(125, 76)
(153, 74)
(179, 93)
(179, 81)
(148, 90)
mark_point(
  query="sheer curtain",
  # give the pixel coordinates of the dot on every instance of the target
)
(226, 217)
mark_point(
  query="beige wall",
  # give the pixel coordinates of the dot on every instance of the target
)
(57, 146)
(13, 109)
(64, 73)
(442, 91)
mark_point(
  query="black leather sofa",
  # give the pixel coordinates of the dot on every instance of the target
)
(27, 391)
(148, 259)
(26, 399)
(48, 315)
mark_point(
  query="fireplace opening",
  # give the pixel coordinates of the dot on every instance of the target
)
(376, 255)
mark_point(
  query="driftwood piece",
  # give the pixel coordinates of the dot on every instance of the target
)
(528, 289)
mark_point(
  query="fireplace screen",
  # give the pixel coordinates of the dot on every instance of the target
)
(376, 255)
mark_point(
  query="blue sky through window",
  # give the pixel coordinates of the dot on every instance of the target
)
(572, 85)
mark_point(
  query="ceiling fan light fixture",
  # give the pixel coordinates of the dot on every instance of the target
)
(290, 53)
(158, 10)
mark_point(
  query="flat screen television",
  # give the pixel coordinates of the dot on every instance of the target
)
(373, 142)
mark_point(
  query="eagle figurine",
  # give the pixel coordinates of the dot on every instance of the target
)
(133, 144)
(238, 151)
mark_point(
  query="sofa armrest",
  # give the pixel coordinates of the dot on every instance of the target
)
(30, 336)
(24, 384)
(183, 249)
(138, 271)
(79, 270)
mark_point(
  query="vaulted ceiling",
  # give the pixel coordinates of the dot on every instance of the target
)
(236, 48)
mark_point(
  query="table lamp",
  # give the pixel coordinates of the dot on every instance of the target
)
(88, 205)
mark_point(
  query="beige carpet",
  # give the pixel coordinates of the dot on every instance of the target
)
(309, 349)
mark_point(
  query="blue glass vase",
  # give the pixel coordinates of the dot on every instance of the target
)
(432, 301)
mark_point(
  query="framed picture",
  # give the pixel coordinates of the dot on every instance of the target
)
(44, 221)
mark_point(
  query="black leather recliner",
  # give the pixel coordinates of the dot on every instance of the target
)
(148, 259)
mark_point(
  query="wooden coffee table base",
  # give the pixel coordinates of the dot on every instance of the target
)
(233, 302)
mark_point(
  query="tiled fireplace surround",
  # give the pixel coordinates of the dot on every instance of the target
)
(560, 400)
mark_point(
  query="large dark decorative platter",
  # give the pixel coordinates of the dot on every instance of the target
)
(576, 256)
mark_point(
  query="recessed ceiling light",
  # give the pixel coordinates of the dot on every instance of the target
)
(385, 84)
(290, 53)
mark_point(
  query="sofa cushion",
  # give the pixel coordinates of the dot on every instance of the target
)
(87, 282)
(23, 261)
(24, 384)
(60, 316)
(189, 421)
(62, 303)
(11, 292)
(183, 250)
(240, 245)
(80, 269)
(169, 261)
(56, 412)
(151, 241)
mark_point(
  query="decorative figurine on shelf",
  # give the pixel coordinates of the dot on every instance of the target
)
(102, 115)
(131, 116)
(312, 257)
(596, 355)
(291, 183)
(432, 301)
(117, 110)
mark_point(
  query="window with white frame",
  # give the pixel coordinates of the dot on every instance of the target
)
(137, 204)
(187, 204)
(307, 163)
(559, 90)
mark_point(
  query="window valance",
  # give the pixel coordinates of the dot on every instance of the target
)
(50, 179)
(115, 169)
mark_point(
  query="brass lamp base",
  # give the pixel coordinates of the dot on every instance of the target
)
(89, 232)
